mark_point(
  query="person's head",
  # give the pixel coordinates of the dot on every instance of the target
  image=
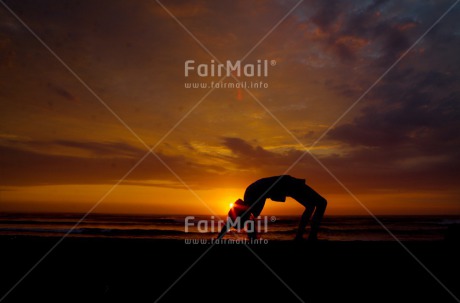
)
(239, 210)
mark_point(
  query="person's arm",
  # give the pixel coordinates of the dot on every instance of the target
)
(223, 231)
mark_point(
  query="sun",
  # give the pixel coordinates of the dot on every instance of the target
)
(231, 205)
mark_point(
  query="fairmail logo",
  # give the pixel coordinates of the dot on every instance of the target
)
(259, 68)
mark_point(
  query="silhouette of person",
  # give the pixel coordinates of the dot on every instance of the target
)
(277, 188)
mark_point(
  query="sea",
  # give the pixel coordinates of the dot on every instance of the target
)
(281, 228)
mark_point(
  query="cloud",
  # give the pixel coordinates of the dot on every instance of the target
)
(405, 137)
(27, 163)
(109, 163)
(103, 149)
(327, 15)
(62, 92)
(256, 162)
(244, 150)
(416, 117)
(351, 31)
(255, 158)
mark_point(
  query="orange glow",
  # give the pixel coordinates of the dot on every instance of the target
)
(71, 198)
(239, 94)
(61, 151)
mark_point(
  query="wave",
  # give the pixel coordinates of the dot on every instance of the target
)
(173, 226)
(95, 231)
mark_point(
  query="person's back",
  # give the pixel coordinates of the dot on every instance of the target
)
(275, 188)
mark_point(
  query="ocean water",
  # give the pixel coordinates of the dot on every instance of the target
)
(334, 228)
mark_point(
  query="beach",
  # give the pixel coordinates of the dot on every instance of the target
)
(145, 270)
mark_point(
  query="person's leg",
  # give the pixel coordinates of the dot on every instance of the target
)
(252, 235)
(303, 222)
(251, 230)
(313, 203)
(317, 218)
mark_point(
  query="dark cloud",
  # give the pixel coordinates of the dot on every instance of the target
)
(327, 15)
(405, 138)
(392, 170)
(258, 158)
(254, 161)
(243, 149)
(112, 161)
(402, 138)
(417, 118)
(22, 167)
(363, 30)
(61, 92)
(102, 148)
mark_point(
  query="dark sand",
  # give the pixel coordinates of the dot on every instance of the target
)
(117, 270)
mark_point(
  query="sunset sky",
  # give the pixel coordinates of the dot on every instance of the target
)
(63, 149)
